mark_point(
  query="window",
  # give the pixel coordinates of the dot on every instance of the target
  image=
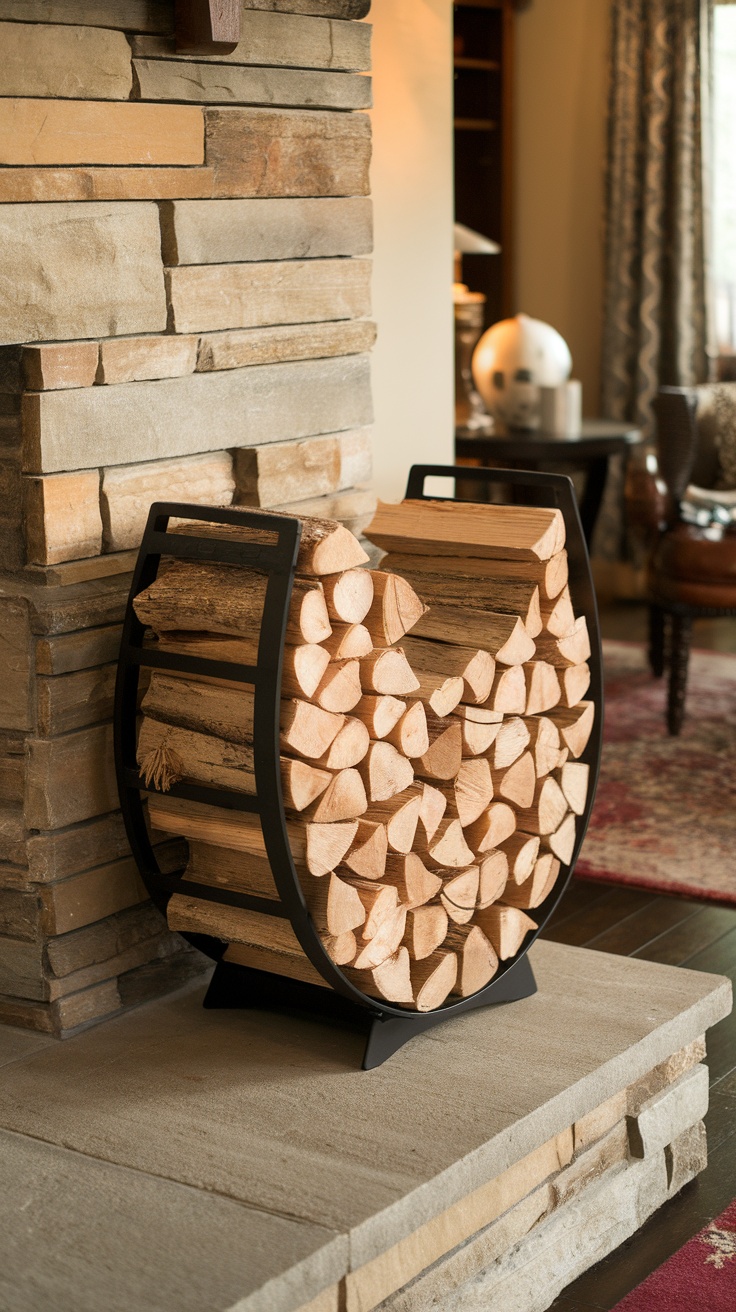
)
(724, 177)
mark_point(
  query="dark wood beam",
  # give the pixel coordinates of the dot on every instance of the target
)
(207, 27)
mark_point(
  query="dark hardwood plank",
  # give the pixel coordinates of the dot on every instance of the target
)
(580, 928)
(684, 941)
(648, 923)
(579, 895)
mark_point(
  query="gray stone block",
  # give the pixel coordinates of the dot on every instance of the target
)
(282, 40)
(670, 1113)
(81, 63)
(286, 228)
(211, 84)
(129, 422)
(686, 1157)
(208, 297)
(80, 270)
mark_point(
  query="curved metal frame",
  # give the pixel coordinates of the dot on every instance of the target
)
(391, 1024)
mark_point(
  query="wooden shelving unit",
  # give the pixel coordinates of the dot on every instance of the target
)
(483, 118)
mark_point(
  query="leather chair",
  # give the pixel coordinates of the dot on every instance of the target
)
(690, 526)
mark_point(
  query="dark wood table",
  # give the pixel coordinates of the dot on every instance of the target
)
(532, 449)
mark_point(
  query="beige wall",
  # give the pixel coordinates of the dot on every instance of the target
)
(412, 274)
(559, 156)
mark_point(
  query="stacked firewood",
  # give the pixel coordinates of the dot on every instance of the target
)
(432, 717)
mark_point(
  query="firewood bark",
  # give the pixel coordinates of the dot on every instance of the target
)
(433, 979)
(380, 713)
(510, 743)
(574, 777)
(534, 890)
(494, 873)
(367, 855)
(477, 959)
(192, 703)
(415, 884)
(348, 595)
(506, 927)
(575, 680)
(544, 743)
(166, 754)
(325, 546)
(394, 610)
(508, 694)
(550, 576)
(454, 588)
(473, 665)
(210, 646)
(224, 868)
(459, 895)
(385, 772)
(334, 905)
(347, 642)
(458, 528)
(516, 784)
(542, 687)
(426, 929)
(400, 815)
(495, 825)
(573, 649)
(521, 851)
(503, 636)
(547, 811)
(348, 747)
(443, 758)
(409, 735)
(575, 725)
(294, 966)
(343, 799)
(388, 671)
(195, 915)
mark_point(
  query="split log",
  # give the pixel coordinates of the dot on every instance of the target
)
(459, 895)
(550, 576)
(325, 546)
(574, 777)
(431, 810)
(347, 642)
(510, 743)
(516, 784)
(379, 902)
(508, 693)
(503, 636)
(575, 725)
(348, 747)
(534, 891)
(339, 688)
(348, 595)
(166, 754)
(477, 959)
(521, 851)
(367, 854)
(394, 610)
(302, 784)
(472, 790)
(433, 979)
(193, 915)
(212, 646)
(459, 528)
(308, 730)
(426, 929)
(409, 735)
(441, 695)
(494, 873)
(293, 965)
(473, 665)
(340, 948)
(477, 735)
(447, 846)
(343, 799)
(544, 744)
(334, 905)
(452, 587)
(573, 649)
(390, 981)
(575, 680)
(542, 687)
(385, 772)
(224, 868)
(506, 927)
(558, 616)
(492, 828)
(443, 757)
(190, 702)
(547, 811)
(415, 884)
(380, 713)
(385, 942)
(388, 671)
(562, 841)
(303, 669)
(400, 815)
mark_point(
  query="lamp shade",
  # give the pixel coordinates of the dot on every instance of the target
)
(468, 242)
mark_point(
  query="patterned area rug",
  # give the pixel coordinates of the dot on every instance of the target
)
(701, 1277)
(665, 811)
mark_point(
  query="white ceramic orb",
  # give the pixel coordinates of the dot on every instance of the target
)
(512, 360)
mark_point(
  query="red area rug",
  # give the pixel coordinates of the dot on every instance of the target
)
(665, 811)
(700, 1278)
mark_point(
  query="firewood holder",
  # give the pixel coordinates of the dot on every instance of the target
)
(387, 1026)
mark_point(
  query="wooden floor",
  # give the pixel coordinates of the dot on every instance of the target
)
(678, 932)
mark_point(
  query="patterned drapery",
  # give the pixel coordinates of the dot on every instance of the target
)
(656, 313)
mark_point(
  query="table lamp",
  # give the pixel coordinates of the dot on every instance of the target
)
(470, 413)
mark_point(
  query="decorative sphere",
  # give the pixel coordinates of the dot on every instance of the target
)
(512, 360)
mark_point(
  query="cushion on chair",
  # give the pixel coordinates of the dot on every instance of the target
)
(694, 565)
(715, 460)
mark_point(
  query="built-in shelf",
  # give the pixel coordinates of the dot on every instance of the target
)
(476, 124)
(487, 65)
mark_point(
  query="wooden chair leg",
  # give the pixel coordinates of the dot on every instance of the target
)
(679, 657)
(657, 622)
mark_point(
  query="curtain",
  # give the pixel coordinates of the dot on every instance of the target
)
(656, 308)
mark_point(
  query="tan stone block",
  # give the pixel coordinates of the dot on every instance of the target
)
(16, 710)
(71, 572)
(128, 15)
(281, 40)
(69, 268)
(69, 954)
(154, 949)
(354, 508)
(598, 1122)
(63, 516)
(327, 8)
(19, 914)
(70, 184)
(60, 364)
(74, 700)
(53, 856)
(96, 132)
(287, 228)
(272, 152)
(207, 297)
(665, 1073)
(247, 346)
(82, 605)
(686, 1157)
(327, 1301)
(86, 898)
(21, 969)
(175, 79)
(128, 492)
(78, 651)
(356, 457)
(134, 359)
(202, 412)
(91, 1004)
(667, 1115)
(590, 1164)
(266, 475)
(84, 757)
(76, 62)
